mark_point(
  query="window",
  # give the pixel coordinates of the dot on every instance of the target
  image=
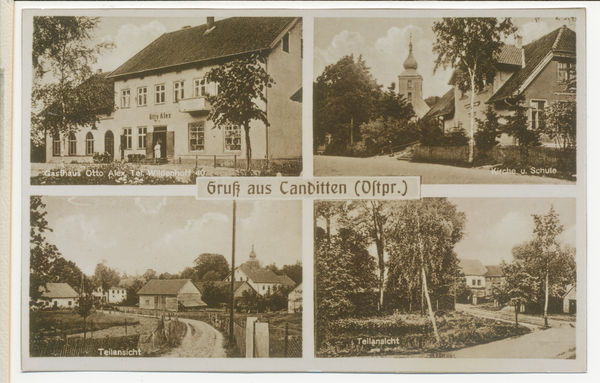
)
(89, 144)
(301, 48)
(178, 91)
(196, 132)
(479, 282)
(128, 138)
(69, 303)
(142, 132)
(409, 98)
(159, 94)
(409, 84)
(233, 138)
(537, 110)
(199, 87)
(72, 144)
(565, 72)
(56, 145)
(474, 282)
(125, 98)
(263, 287)
(286, 42)
(142, 99)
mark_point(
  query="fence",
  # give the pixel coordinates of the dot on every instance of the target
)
(456, 154)
(282, 344)
(83, 347)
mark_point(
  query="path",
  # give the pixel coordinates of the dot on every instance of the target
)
(201, 341)
(431, 173)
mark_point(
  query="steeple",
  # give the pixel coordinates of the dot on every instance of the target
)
(253, 262)
(410, 62)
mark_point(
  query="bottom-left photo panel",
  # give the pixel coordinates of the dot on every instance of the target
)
(132, 277)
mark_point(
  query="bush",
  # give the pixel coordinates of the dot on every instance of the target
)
(104, 158)
(136, 158)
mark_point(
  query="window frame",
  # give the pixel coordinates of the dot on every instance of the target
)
(142, 93)
(199, 87)
(160, 92)
(128, 133)
(142, 135)
(202, 129)
(178, 91)
(72, 144)
(56, 145)
(285, 43)
(563, 75)
(409, 84)
(125, 98)
(535, 112)
(89, 144)
(409, 96)
(230, 128)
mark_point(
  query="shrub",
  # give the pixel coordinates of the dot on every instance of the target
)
(104, 158)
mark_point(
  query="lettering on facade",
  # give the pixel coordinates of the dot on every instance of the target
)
(160, 116)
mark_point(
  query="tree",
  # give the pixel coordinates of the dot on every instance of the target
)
(390, 104)
(149, 274)
(386, 133)
(41, 253)
(421, 244)
(488, 131)
(211, 262)
(164, 275)
(132, 296)
(105, 276)
(211, 276)
(560, 124)
(294, 272)
(242, 82)
(64, 90)
(345, 95)
(518, 288)
(62, 270)
(213, 295)
(432, 100)
(273, 267)
(518, 125)
(471, 47)
(85, 308)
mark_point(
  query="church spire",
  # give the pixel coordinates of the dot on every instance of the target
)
(410, 62)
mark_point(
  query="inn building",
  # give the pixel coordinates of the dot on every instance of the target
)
(160, 97)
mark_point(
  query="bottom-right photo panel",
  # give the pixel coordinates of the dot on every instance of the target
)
(446, 278)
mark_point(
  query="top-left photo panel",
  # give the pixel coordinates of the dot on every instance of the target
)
(119, 100)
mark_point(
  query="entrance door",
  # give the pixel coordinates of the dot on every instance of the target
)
(109, 143)
(572, 306)
(160, 136)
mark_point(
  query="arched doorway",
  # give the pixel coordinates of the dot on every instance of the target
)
(109, 143)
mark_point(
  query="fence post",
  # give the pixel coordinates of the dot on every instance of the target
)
(125, 326)
(92, 326)
(285, 353)
(235, 162)
(250, 336)
(215, 165)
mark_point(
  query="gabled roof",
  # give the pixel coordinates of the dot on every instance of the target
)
(259, 274)
(228, 37)
(223, 285)
(569, 289)
(510, 55)
(472, 267)
(163, 287)
(287, 281)
(58, 290)
(443, 107)
(493, 271)
(560, 41)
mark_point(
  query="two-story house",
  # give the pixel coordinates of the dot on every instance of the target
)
(539, 71)
(474, 274)
(160, 95)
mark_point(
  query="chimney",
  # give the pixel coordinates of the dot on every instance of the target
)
(519, 41)
(210, 22)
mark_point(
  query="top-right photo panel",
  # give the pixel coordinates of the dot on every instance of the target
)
(455, 100)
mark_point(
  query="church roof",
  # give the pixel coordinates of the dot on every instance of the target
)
(410, 62)
(259, 274)
(444, 106)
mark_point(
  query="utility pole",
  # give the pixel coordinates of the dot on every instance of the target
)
(232, 278)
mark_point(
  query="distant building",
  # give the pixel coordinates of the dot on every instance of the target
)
(260, 278)
(170, 294)
(295, 300)
(570, 300)
(410, 84)
(474, 274)
(238, 287)
(58, 295)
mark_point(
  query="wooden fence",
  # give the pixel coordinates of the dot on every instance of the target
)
(282, 344)
(441, 153)
(77, 346)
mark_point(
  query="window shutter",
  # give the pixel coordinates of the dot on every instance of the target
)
(149, 145)
(170, 144)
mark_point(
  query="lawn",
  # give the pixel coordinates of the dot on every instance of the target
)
(59, 322)
(406, 334)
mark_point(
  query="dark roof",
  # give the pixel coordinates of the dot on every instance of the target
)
(287, 281)
(221, 284)
(510, 55)
(163, 287)
(443, 107)
(58, 290)
(493, 271)
(297, 96)
(229, 37)
(561, 40)
(191, 301)
(259, 274)
(472, 267)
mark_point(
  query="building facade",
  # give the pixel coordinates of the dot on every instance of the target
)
(58, 295)
(410, 84)
(160, 97)
(170, 294)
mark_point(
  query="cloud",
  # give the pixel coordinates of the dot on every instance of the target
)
(72, 201)
(195, 226)
(396, 40)
(147, 207)
(342, 44)
(530, 31)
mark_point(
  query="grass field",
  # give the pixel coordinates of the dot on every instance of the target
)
(68, 322)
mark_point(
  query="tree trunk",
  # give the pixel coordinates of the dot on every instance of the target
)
(437, 336)
(351, 130)
(248, 146)
(517, 316)
(471, 133)
(83, 327)
(546, 302)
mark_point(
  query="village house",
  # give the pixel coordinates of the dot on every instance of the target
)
(261, 279)
(171, 295)
(539, 71)
(570, 300)
(238, 287)
(474, 274)
(160, 96)
(58, 295)
(295, 300)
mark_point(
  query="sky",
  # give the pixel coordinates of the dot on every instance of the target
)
(383, 44)
(167, 234)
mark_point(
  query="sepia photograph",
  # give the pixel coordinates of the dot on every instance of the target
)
(480, 100)
(446, 278)
(157, 277)
(163, 100)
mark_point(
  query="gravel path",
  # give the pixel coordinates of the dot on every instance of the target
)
(201, 341)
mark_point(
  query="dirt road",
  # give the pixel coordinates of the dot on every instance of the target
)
(200, 341)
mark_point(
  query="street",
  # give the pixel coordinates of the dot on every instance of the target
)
(430, 173)
(200, 341)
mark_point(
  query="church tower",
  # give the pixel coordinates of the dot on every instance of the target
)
(253, 262)
(410, 84)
